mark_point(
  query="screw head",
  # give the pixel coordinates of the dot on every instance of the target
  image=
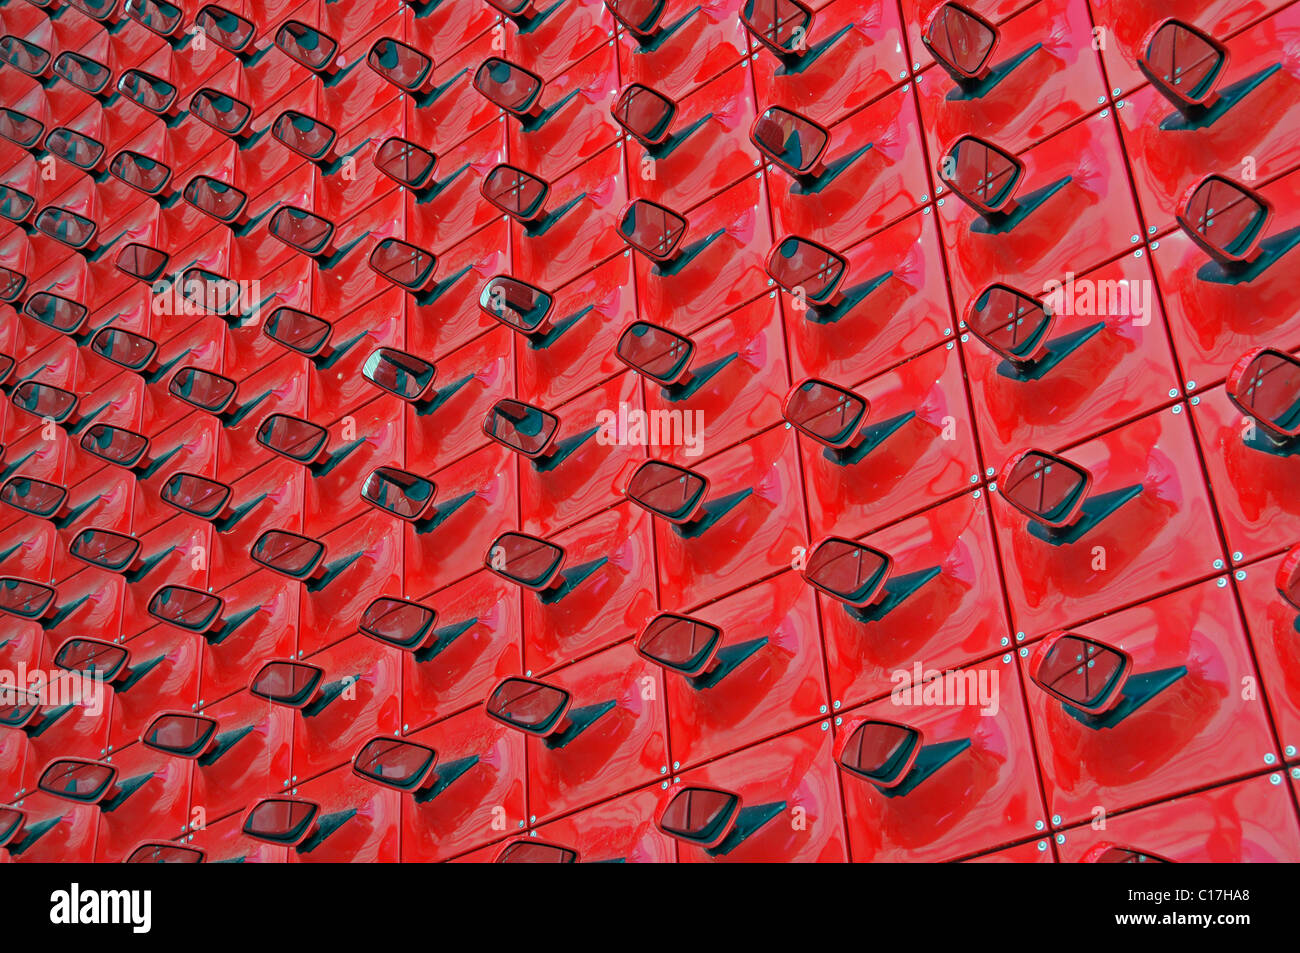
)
(1056, 818)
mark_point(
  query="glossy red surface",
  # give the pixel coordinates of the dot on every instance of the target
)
(1172, 555)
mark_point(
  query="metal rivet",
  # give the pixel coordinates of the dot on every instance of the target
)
(1221, 583)
(1006, 658)
(1241, 575)
(837, 704)
(824, 710)
(974, 477)
(1218, 564)
(826, 726)
(1275, 779)
(989, 471)
(1056, 818)
(1105, 113)
(1270, 758)
(1060, 838)
(1173, 392)
(1178, 409)
(663, 769)
(532, 818)
(1005, 641)
(1042, 845)
(1236, 556)
(1024, 653)
(1191, 385)
(1290, 751)
(676, 765)
(839, 720)
(1039, 825)
(1134, 239)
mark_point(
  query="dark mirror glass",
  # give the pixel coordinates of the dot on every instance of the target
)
(654, 351)
(220, 110)
(11, 286)
(1183, 63)
(639, 16)
(700, 815)
(780, 25)
(165, 854)
(1080, 671)
(280, 821)
(399, 373)
(185, 736)
(33, 496)
(23, 56)
(17, 710)
(1009, 322)
(24, 598)
(140, 172)
(645, 113)
(92, 658)
(398, 63)
(404, 161)
(71, 229)
(798, 263)
(652, 229)
(59, 313)
(679, 642)
(669, 491)
(20, 128)
(1046, 487)
(149, 92)
(195, 495)
(508, 86)
(403, 765)
(1224, 219)
(228, 30)
(980, 174)
(514, 191)
(847, 570)
(124, 348)
(309, 47)
(828, 414)
(303, 134)
(297, 439)
(288, 553)
(211, 292)
(298, 330)
(528, 705)
(158, 15)
(534, 852)
(105, 549)
(223, 202)
(287, 683)
(881, 751)
(515, 303)
(397, 622)
(11, 823)
(521, 427)
(1268, 389)
(202, 389)
(402, 263)
(960, 40)
(15, 205)
(790, 140)
(300, 229)
(89, 76)
(44, 400)
(141, 262)
(398, 492)
(525, 559)
(1122, 855)
(185, 608)
(115, 445)
(74, 147)
(84, 781)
